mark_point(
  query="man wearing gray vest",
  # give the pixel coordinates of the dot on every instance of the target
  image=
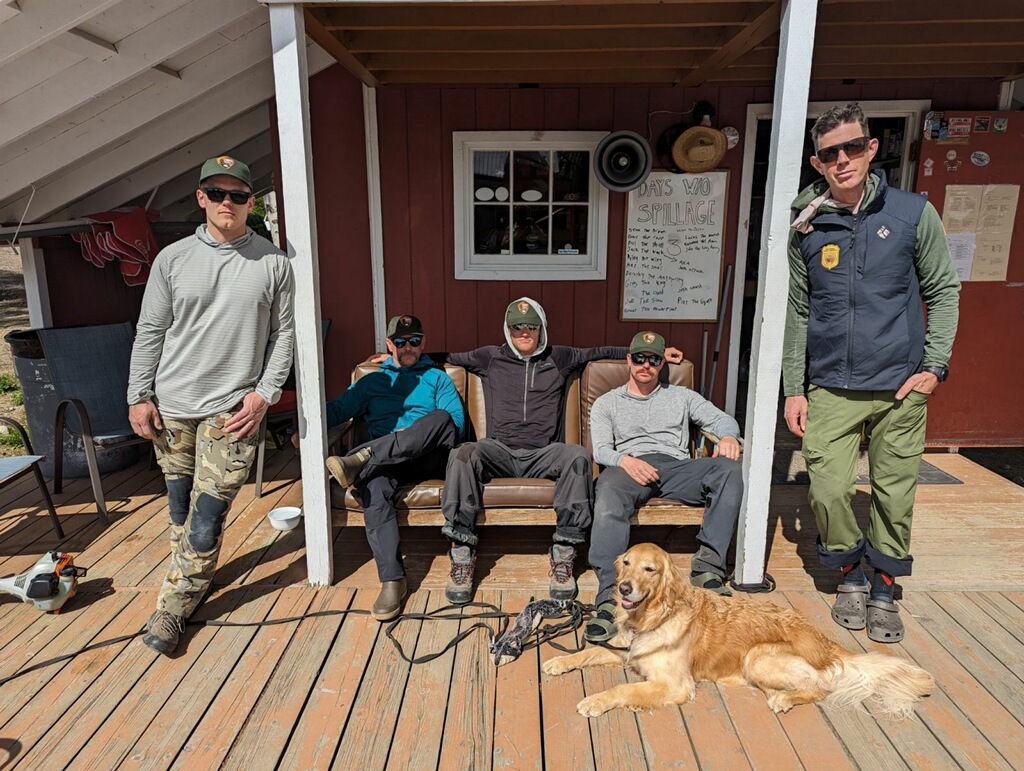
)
(862, 257)
(213, 347)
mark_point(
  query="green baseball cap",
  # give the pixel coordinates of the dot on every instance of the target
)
(227, 166)
(647, 342)
(400, 326)
(522, 312)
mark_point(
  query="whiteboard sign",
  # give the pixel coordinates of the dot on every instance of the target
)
(675, 230)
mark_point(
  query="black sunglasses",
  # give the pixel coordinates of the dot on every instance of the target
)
(854, 149)
(414, 342)
(640, 358)
(217, 195)
(521, 327)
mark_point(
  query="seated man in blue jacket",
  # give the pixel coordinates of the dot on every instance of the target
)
(415, 417)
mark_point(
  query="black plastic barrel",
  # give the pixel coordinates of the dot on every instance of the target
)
(41, 409)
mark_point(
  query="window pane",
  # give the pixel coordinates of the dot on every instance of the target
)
(490, 229)
(572, 175)
(569, 230)
(530, 227)
(490, 175)
(530, 178)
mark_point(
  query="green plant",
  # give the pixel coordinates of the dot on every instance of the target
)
(8, 383)
(18, 399)
(10, 439)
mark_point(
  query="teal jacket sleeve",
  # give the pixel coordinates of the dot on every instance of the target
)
(447, 399)
(351, 404)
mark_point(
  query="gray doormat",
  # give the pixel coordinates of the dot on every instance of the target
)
(789, 468)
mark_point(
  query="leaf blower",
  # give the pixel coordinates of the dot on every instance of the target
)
(48, 584)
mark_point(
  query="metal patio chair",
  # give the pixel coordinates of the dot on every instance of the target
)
(89, 371)
(13, 469)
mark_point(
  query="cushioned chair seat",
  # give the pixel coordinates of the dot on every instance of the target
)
(500, 493)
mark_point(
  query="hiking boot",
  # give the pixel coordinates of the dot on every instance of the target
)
(162, 631)
(346, 468)
(563, 584)
(459, 588)
(389, 601)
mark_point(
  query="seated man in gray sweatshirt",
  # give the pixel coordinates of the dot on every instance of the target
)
(641, 434)
(213, 346)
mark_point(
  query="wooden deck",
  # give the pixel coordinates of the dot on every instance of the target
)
(332, 692)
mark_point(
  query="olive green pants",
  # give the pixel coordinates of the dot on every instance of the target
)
(895, 432)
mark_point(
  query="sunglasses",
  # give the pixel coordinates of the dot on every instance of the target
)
(854, 149)
(414, 342)
(521, 327)
(217, 195)
(642, 358)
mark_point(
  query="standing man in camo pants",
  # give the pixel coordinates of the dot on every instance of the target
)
(212, 348)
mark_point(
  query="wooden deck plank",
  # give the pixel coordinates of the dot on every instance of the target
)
(666, 742)
(469, 726)
(983, 666)
(174, 696)
(319, 728)
(566, 734)
(61, 743)
(213, 738)
(711, 731)
(914, 743)
(270, 723)
(371, 724)
(985, 629)
(63, 685)
(420, 726)
(1008, 615)
(517, 736)
(615, 735)
(764, 740)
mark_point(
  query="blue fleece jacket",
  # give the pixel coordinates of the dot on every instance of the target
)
(394, 398)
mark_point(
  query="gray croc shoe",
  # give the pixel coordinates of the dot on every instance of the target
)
(850, 608)
(884, 622)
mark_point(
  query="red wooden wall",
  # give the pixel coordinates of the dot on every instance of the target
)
(415, 125)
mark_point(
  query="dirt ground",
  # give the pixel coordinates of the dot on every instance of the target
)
(13, 315)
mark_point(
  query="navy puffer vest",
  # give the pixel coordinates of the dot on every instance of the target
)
(865, 328)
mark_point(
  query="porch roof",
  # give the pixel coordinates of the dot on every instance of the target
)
(678, 42)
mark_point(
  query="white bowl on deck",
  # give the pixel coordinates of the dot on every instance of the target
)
(285, 517)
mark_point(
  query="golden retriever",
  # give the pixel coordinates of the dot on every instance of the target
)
(674, 635)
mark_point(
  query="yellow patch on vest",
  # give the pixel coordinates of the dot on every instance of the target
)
(829, 256)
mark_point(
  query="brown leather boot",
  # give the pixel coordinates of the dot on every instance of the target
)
(389, 601)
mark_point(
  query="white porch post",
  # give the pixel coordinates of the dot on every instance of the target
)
(37, 293)
(376, 214)
(792, 83)
(291, 85)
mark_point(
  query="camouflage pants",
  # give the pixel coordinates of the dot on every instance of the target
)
(204, 469)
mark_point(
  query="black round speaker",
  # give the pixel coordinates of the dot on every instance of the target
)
(622, 161)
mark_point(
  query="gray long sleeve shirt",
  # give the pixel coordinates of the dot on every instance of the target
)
(623, 424)
(216, 323)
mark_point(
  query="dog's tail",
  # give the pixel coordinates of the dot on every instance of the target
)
(892, 684)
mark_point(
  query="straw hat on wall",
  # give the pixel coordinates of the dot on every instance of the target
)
(699, 149)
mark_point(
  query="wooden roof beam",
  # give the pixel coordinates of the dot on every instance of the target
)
(138, 52)
(529, 42)
(952, 35)
(754, 33)
(995, 71)
(547, 60)
(8, 10)
(336, 48)
(84, 44)
(920, 12)
(41, 21)
(700, 14)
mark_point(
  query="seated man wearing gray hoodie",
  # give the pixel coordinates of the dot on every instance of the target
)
(641, 434)
(524, 385)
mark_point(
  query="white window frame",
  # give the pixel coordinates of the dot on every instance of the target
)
(591, 266)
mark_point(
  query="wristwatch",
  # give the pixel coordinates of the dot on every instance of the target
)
(940, 372)
(145, 395)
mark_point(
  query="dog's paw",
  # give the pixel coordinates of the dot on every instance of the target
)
(779, 701)
(592, 706)
(557, 666)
